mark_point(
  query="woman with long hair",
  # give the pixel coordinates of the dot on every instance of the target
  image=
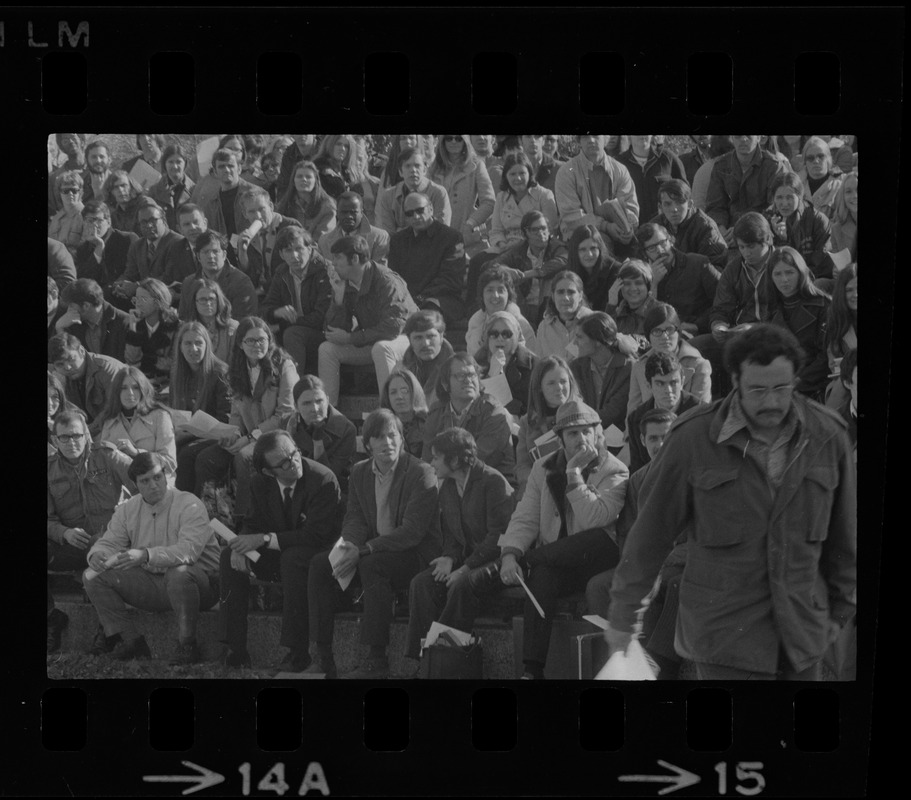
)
(496, 292)
(821, 180)
(335, 160)
(844, 217)
(403, 395)
(665, 334)
(199, 382)
(175, 187)
(307, 201)
(590, 258)
(151, 332)
(261, 378)
(365, 184)
(463, 175)
(797, 304)
(122, 193)
(212, 309)
(518, 193)
(601, 369)
(552, 383)
(133, 421)
(66, 225)
(501, 353)
(565, 308)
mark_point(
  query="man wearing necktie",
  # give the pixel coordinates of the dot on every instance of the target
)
(295, 513)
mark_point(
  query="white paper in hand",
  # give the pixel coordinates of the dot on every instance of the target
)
(227, 534)
(841, 259)
(632, 665)
(335, 555)
(613, 436)
(498, 388)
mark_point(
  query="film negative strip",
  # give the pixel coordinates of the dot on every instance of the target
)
(81, 727)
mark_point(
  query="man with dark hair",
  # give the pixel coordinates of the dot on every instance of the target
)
(649, 167)
(687, 281)
(460, 403)
(211, 251)
(544, 165)
(427, 349)
(390, 533)
(158, 553)
(370, 304)
(390, 211)
(223, 208)
(299, 296)
(351, 221)
(475, 505)
(85, 483)
(695, 158)
(98, 326)
(257, 251)
(740, 183)
(430, 257)
(294, 514)
(60, 264)
(98, 169)
(694, 231)
(88, 376)
(155, 255)
(102, 256)
(764, 483)
(664, 374)
(563, 530)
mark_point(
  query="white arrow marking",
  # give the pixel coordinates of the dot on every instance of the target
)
(204, 780)
(681, 780)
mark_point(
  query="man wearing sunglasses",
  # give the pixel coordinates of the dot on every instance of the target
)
(295, 513)
(85, 483)
(763, 481)
(430, 257)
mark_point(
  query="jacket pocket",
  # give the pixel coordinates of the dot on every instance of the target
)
(820, 487)
(722, 517)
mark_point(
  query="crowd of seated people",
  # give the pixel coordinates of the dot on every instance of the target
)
(523, 307)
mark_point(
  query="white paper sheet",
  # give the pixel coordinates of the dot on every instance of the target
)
(227, 534)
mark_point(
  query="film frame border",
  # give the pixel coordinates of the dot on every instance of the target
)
(869, 57)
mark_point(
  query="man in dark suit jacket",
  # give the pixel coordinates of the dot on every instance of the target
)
(476, 503)
(153, 256)
(430, 257)
(546, 166)
(294, 515)
(391, 532)
(98, 326)
(103, 255)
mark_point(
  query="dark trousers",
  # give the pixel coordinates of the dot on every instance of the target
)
(558, 569)
(713, 350)
(717, 672)
(302, 344)
(186, 463)
(457, 605)
(63, 558)
(381, 575)
(290, 566)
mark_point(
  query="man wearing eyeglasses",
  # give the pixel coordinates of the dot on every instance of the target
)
(85, 483)
(430, 257)
(155, 255)
(764, 481)
(295, 513)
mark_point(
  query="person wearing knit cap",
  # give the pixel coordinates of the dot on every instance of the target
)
(562, 531)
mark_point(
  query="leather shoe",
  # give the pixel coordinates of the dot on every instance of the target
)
(186, 653)
(131, 648)
(371, 670)
(101, 644)
(320, 666)
(294, 661)
(235, 658)
(56, 622)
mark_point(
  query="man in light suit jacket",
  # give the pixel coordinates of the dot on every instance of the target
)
(294, 514)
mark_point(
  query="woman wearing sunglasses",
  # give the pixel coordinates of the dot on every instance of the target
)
(502, 354)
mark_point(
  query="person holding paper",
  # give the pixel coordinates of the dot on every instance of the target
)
(257, 251)
(461, 403)
(149, 146)
(294, 514)
(585, 187)
(85, 483)
(665, 377)
(648, 168)
(764, 483)
(475, 506)
(601, 370)
(430, 257)
(391, 531)
(563, 529)
(157, 553)
(199, 382)
(211, 251)
(364, 322)
(503, 355)
(552, 384)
